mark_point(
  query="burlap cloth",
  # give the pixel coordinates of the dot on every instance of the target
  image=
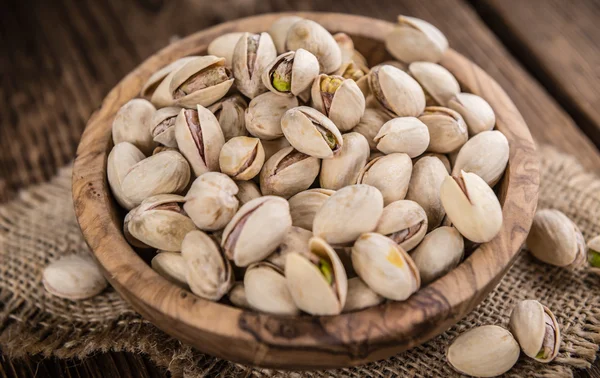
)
(39, 226)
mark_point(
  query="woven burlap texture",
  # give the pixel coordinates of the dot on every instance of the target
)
(40, 226)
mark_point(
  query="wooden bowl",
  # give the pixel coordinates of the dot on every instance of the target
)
(303, 342)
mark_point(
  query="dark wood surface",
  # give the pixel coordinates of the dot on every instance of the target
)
(60, 58)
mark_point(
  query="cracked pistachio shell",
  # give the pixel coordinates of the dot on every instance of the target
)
(267, 291)
(348, 213)
(271, 147)
(263, 116)
(440, 251)
(405, 134)
(171, 266)
(485, 154)
(230, 112)
(247, 191)
(160, 222)
(443, 158)
(291, 73)
(556, 240)
(370, 124)
(390, 174)
(288, 172)
(121, 159)
(343, 169)
(162, 126)
(385, 267)
(223, 46)
(476, 112)
(304, 206)
(317, 281)
(199, 138)
(309, 35)
(439, 85)
(279, 30)
(405, 222)
(472, 206)
(251, 56)
(311, 132)
(132, 124)
(360, 296)
(339, 99)
(397, 91)
(536, 330)
(447, 129)
(163, 173)
(594, 255)
(295, 240)
(74, 277)
(256, 230)
(202, 81)
(486, 351)
(157, 80)
(427, 177)
(242, 157)
(416, 40)
(208, 273)
(211, 201)
(237, 295)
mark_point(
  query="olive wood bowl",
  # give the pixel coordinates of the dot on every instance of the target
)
(303, 342)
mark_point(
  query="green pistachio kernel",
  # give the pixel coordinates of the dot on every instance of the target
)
(594, 258)
(281, 83)
(326, 270)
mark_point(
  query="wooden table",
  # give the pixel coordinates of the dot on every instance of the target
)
(60, 58)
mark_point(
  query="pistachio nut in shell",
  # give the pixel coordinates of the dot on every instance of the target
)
(339, 99)
(439, 85)
(390, 174)
(440, 251)
(348, 213)
(370, 124)
(397, 91)
(385, 267)
(472, 206)
(171, 266)
(132, 124)
(405, 222)
(428, 174)
(161, 148)
(309, 35)
(237, 295)
(443, 158)
(556, 240)
(291, 73)
(288, 172)
(158, 79)
(242, 157)
(311, 132)
(476, 112)
(74, 277)
(279, 30)
(404, 134)
(224, 45)
(211, 201)
(231, 114)
(304, 206)
(447, 129)
(414, 40)
(344, 167)
(594, 254)
(486, 154)
(485, 351)
(199, 138)
(202, 81)
(247, 191)
(256, 230)
(251, 56)
(273, 146)
(162, 126)
(267, 291)
(208, 273)
(536, 330)
(130, 238)
(263, 116)
(354, 71)
(161, 222)
(360, 296)
(163, 173)
(295, 240)
(121, 158)
(317, 281)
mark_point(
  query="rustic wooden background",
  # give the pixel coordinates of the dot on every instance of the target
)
(59, 59)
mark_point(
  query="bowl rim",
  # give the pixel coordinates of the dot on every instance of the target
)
(268, 340)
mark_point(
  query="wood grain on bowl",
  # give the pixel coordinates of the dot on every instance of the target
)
(303, 341)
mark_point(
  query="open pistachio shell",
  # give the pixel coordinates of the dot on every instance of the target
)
(211, 201)
(263, 116)
(311, 132)
(158, 80)
(317, 281)
(486, 154)
(199, 138)
(360, 296)
(251, 56)
(171, 266)
(121, 159)
(237, 295)
(267, 291)
(288, 172)
(416, 40)
(405, 134)
(405, 222)
(339, 99)
(304, 206)
(345, 166)
(438, 83)
(291, 73)
(390, 174)
(536, 330)
(447, 129)
(354, 71)
(385, 267)
(247, 191)
(256, 230)
(242, 157)
(440, 251)
(397, 91)
(279, 30)
(309, 35)
(74, 277)
(223, 46)
(295, 240)
(230, 112)
(162, 126)
(132, 124)
(594, 254)
(476, 112)
(370, 124)
(428, 174)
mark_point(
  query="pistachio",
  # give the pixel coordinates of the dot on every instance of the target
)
(162, 126)
(416, 40)
(130, 238)
(211, 201)
(404, 134)
(263, 116)
(440, 251)
(360, 296)
(447, 129)
(304, 206)
(279, 30)
(158, 79)
(295, 240)
(171, 266)
(339, 99)
(230, 112)
(486, 154)
(247, 191)
(308, 35)
(443, 158)
(349, 54)
(343, 169)
(291, 73)
(271, 147)
(397, 91)
(267, 291)
(288, 172)
(242, 157)
(370, 124)
(132, 124)
(74, 277)
(438, 83)
(405, 222)
(251, 56)
(310, 132)
(377, 173)
(428, 174)
(476, 112)
(353, 71)
(121, 158)
(223, 46)
(594, 254)
(237, 295)
(536, 330)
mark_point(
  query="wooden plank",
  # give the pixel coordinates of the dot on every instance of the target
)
(558, 42)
